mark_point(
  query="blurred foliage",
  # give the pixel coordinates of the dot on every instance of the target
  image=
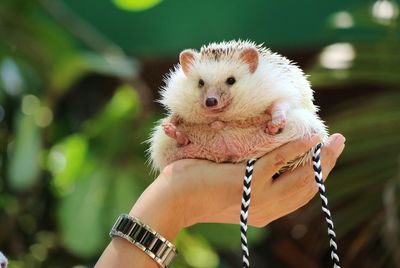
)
(73, 122)
(136, 5)
(364, 188)
(171, 26)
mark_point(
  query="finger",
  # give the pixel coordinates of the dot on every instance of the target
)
(330, 153)
(301, 180)
(272, 162)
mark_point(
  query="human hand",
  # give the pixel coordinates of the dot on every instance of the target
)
(193, 191)
(210, 192)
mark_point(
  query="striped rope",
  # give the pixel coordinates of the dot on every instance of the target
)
(244, 213)
(322, 193)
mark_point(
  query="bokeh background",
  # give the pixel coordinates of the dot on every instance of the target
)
(78, 80)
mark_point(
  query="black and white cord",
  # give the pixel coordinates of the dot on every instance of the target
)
(325, 209)
(244, 213)
(322, 193)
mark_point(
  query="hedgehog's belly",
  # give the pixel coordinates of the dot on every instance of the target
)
(229, 144)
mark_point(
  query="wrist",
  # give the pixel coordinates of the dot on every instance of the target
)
(158, 208)
(184, 191)
(155, 208)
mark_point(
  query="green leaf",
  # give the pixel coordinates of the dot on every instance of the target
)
(375, 62)
(87, 213)
(65, 161)
(123, 106)
(357, 184)
(196, 250)
(75, 64)
(124, 190)
(11, 79)
(23, 168)
(80, 214)
(227, 235)
(136, 5)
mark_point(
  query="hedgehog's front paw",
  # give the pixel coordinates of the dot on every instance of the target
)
(171, 131)
(182, 139)
(277, 123)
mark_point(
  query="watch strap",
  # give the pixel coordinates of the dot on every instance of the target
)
(144, 237)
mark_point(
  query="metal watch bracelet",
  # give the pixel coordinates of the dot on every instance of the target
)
(144, 237)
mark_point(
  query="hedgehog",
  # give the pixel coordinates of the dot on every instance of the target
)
(231, 102)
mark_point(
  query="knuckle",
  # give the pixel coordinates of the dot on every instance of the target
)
(260, 218)
(311, 193)
(329, 157)
(307, 185)
(330, 152)
(307, 196)
(304, 181)
(302, 145)
(259, 223)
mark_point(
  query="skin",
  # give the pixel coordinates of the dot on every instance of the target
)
(182, 195)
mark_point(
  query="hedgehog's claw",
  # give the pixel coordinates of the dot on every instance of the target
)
(277, 123)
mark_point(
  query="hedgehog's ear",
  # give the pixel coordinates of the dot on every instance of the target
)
(186, 59)
(250, 57)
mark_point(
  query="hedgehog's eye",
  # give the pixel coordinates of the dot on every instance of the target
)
(201, 83)
(231, 80)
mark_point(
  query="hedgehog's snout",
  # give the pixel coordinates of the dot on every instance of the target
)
(211, 102)
(214, 103)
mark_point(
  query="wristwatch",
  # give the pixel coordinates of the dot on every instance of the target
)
(144, 237)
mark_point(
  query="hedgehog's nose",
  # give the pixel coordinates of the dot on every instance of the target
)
(211, 102)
